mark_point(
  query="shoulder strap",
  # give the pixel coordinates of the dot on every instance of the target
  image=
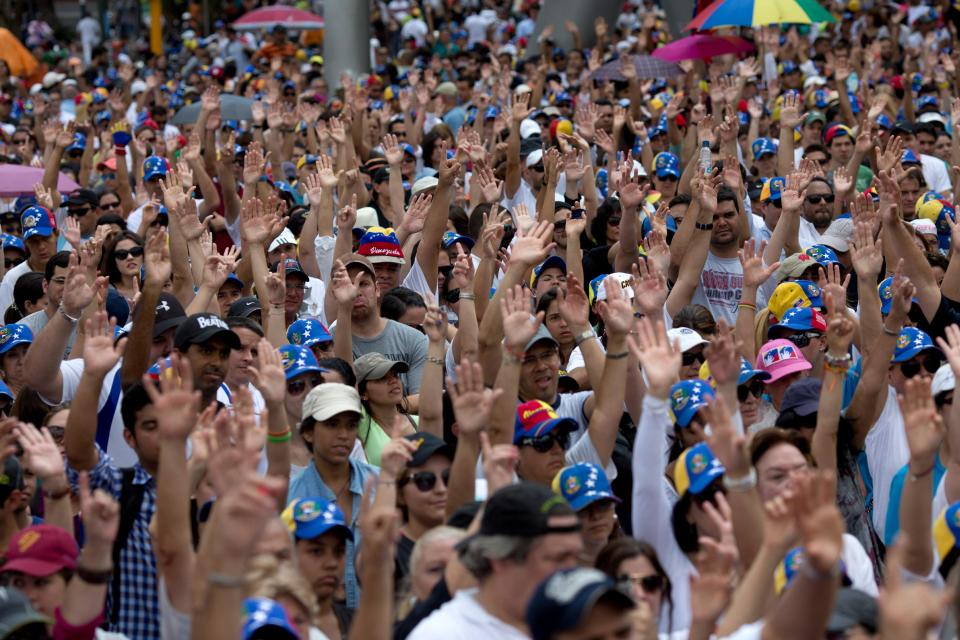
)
(107, 411)
(131, 497)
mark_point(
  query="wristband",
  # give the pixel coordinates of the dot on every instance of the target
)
(120, 151)
(747, 305)
(468, 296)
(279, 438)
(225, 581)
(583, 337)
(435, 360)
(66, 315)
(834, 361)
(923, 474)
(745, 483)
(256, 126)
(95, 576)
(617, 356)
(705, 227)
(895, 334)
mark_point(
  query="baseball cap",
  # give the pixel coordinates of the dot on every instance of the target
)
(305, 159)
(380, 245)
(37, 221)
(838, 235)
(747, 372)
(695, 469)
(366, 217)
(885, 290)
(201, 327)
(291, 266)
(534, 158)
(564, 600)
(307, 332)
(13, 242)
(884, 122)
(772, 189)
(448, 89)
(11, 477)
(328, 399)
(542, 334)
(82, 197)
(853, 607)
(536, 418)
(285, 237)
(169, 314)
(422, 184)
(23, 202)
(924, 227)
(798, 293)
(373, 366)
(244, 307)
(355, 259)
(780, 358)
(16, 612)
(909, 157)
(552, 262)
(597, 292)
(13, 334)
(666, 164)
(799, 319)
(427, 445)
(823, 255)
(834, 131)
(154, 167)
(297, 359)
(451, 238)
(582, 484)
(762, 147)
(261, 614)
(802, 399)
(313, 517)
(79, 143)
(41, 550)
(943, 381)
(913, 341)
(687, 337)
(814, 116)
(523, 510)
(686, 398)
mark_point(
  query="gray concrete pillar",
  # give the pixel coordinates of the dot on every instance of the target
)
(346, 39)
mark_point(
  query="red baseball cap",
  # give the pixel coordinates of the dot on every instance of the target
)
(41, 550)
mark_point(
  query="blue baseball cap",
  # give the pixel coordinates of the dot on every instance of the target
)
(885, 290)
(552, 262)
(772, 189)
(13, 334)
(909, 157)
(564, 600)
(451, 238)
(928, 101)
(666, 164)
(408, 149)
(748, 373)
(23, 202)
(297, 360)
(232, 279)
(313, 517)
(37, 221)
(824, 255)
(647, 226)
(101, 117)
(306, 332)
(155, 167)
(536, 418)
(261, 614)
(491, 113)
(799, 319)
(884, 122)
(762, 147)
(912, 341)
(583, 484)
(5, 391)
(695, 469)
(13, 242)
(79, 143)
(686, 398)
(788, 66)
(744, 118)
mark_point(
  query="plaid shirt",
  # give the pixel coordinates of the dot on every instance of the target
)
(140, 609)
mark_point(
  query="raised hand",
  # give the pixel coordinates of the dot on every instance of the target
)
(176, 403)
(78, 292)
(659, 358)
(101, 515)
(574, 305)
(499, 463)
(842, 181)
(472, 401)
(392, 151)
(254, 164)
(649, 288)
(519, 325)
(395, 456)
(791, 198)
(722, 355)
(818, 520)
(156, 258)
(866, 252)
(100, 353)
(712, 587)
(790, 115)
(755, 273)
(616, 311)
(42, 456)
(840, 327)
(533, 245)
(345, 290)
(924, 425)
(831, 283)
(268, 376)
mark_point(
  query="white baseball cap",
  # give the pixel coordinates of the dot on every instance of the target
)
(943, 380)
(366, 217)
(327, 400)
(529, 128)
(687, 337)
(924, 227)
(534, 158)
(427, 182)
(286, 237)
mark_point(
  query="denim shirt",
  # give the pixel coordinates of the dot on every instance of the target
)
(309, 484)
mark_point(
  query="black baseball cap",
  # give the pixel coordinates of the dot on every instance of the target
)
(11, 477)
(82, 197)
(801, 400)
(169, 314)
(427, 446)
(524, 510)
(901, 127)
(244, 307)
(202, 327)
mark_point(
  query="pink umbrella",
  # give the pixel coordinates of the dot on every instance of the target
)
(270, 16)
(700, 46)
(18, 180)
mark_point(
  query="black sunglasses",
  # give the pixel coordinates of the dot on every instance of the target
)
(777, 204)
(613, 221)
(542, 444)
(805, 338)
(426, 480)
(537, 167)
(79, 212)
(649, 584)
(690, 357)
(911, 368)
(559, 225)
(122, 254)
(110, 205)
(818, 198)
(8, 262)
(754, 388)
(296, 387)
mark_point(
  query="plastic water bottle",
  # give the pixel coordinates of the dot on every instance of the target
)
(706, 160)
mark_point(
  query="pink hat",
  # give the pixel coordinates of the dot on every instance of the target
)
(780, 358)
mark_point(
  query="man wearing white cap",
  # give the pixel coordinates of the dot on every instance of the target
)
(523, 185)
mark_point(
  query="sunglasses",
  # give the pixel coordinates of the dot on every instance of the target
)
(296, 387)
(123, 254)
(8, 262)
(753, 388)
(693, 356)
(943, 400)
(777, 204)
(537, 167)
(911, 368)
(426, 480)
(650, 584)
(79, 212)
(559, 225)
(821, 161)
(19, 141)
(614, 221)
(110, 205)
(544, 443)
(805, 338)
(817, 199)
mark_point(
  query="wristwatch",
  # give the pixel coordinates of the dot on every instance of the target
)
(583, 337)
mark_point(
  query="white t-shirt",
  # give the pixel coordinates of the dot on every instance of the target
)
(417, 281)
(720, 287)
(9, 282)
(887, 451)
(416, 29)
(808, 234)
(463, 617)
(935, 173)
(857, 566)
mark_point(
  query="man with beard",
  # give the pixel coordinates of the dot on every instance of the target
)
(205, 342)
(817, 212)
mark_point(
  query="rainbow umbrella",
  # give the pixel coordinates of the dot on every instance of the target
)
(700, 46)
(755, 13)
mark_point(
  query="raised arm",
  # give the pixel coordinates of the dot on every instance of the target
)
(840, 330)
(43, 458)
(436, 222)
(465, 344)
(156, 260)
(375, 614)
(790, 118)
(519, 111)
(345, 291)
(755, 273)
(431, 384)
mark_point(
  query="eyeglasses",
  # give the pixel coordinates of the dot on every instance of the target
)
(818, 198)
(803, 339)
(543, 357)
(754, 388)
(123, 254)
(426, 480)
(296, 387)
(650, 584)
(11, 262)
(543, 444)
(613, 221)
(79, 212)
(297, 287)
(669, 178)
(110, 205)
(689, 357)
(911, 368)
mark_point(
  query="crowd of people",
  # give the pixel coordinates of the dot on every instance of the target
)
(487, 342)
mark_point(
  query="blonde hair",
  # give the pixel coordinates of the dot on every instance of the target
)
(405, 597)
(269, 578)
